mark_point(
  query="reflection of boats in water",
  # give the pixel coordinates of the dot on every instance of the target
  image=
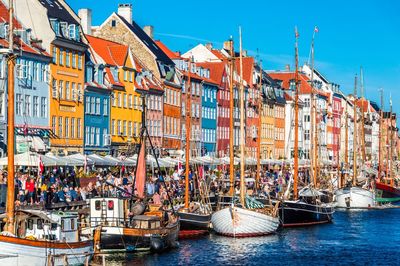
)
(45, 238)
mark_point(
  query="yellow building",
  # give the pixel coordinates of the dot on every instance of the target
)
(120, 74)
(267, 130)
(66, 96)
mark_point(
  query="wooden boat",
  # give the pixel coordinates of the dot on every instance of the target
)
(123, 224)
(354, 198)
(45, 238)
(192, 220)
(117, 232)
(244, 219)
(386, 193)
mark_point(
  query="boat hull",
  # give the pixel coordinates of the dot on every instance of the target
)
(386, 193)
(17, 251)
(193, 221)
(133, 240)
(239, 222)
(354, 198)
(298, 213)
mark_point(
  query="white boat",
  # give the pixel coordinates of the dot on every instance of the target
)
(234, 221)
(354, 198)
(45, 239)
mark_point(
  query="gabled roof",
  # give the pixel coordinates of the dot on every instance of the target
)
(111, 52)
(56, 10)
(248, 65)
(218, 54)
(217, 70)
(364, 105)
(146, 40)
(167, 51)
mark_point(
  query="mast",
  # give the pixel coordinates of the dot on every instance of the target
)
(355, 135)
(10, 129)
(313, 119)
(362, 116)
(380, 136)
(296, 120)
(390, 157)
(242, 138)
(346, 150)
(260, 108)
(231, 132)
(188, 131)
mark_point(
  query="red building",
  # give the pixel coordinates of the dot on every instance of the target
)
(336, 125)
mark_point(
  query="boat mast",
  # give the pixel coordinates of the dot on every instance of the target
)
(380, 136)
(346, 150)
(231, 120)
(188, 131)
(242, 138)
(296, 120)
(362, 116)
(313, 119)
(390, 157)
(355, 134)
(260, 108)
(10, 129)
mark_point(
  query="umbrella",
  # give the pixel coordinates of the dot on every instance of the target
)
(29, 159)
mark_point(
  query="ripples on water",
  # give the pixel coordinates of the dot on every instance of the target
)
(354, 238)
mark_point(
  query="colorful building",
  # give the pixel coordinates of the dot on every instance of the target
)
(125, 111)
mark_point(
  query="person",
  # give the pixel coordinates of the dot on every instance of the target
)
(30, 188)
(156, 198)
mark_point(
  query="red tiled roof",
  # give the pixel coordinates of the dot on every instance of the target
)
(111, 78)
(248, 65)
(112, 53)
(217, 70)
(218, 54)
(363, 104)
(167, 51)
(195, 76)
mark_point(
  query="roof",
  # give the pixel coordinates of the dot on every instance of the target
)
(217, 70)
(146, 218)
(364, 105)
(146, 40)
(57, 10)
(167, 51)
(195, 76)
(248, 64)
(218, 54)
(112, 53)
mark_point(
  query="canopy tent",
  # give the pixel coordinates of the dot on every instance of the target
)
(113, 160)
(97, 160)
(30, 159)
(80, 159)
(226, 160)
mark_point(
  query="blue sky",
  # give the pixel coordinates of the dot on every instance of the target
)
(351, 33)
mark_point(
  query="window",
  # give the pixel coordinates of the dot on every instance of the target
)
(307, 118)
(125, 101)
(89, 73)
(114, 99)
(18, 105)
(119, 99)
(92, 139)
(119, 127)
(130, 103)
(79, 127)
(60, 127)
(61, 88)
(80, 63)
(67, 91)
(54, 55)
(98, 136)
(61, 57)
(105, 106)
(97, 106)
(53, 124)
(73, 60)
(125, 75)
(124, 128)
(129, 128)
(1, 103)
(71, 31)
(79, 93)
(73, 89)
(66, 132)
(72, 127)
(67, 58)
(35, 106)
(113, 23)
(27, 109)
(87, 104)
(93, 106)
(113, 127)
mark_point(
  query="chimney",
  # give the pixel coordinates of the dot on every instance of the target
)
(287, 67)
(85, 14)
(209, 46)
(125, 11)
(227, 45)
(149, 31)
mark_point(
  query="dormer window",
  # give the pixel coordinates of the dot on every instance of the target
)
(56, 26)
(71, 31)
(89, 73)
(64, 28)
(100, 74)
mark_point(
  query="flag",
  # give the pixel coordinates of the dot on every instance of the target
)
(25, 129)
(316, 29)
(180, 168)
(201, 172)
(41, 165)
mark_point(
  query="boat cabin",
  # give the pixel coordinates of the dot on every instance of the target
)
(145, 222)
(107, 211)
(43, 225)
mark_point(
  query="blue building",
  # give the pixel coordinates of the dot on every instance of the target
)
(97, 109)
(209, 118)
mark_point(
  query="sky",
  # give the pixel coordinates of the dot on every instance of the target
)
(352, 33)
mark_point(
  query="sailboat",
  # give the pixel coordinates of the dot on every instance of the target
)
(248, 217)
(352, 196)
(194, 215)
(306, 208)
(131, 224)
(35, 238)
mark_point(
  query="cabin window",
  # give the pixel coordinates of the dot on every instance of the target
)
(110, 205)
(97, 205)
(40, 224)
(144, 225)
(155, 224)
(53, 226)
(136, 224)
(30, 224)
(62, 224)
(72, 224)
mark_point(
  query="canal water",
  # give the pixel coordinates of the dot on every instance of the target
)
(354, 238)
